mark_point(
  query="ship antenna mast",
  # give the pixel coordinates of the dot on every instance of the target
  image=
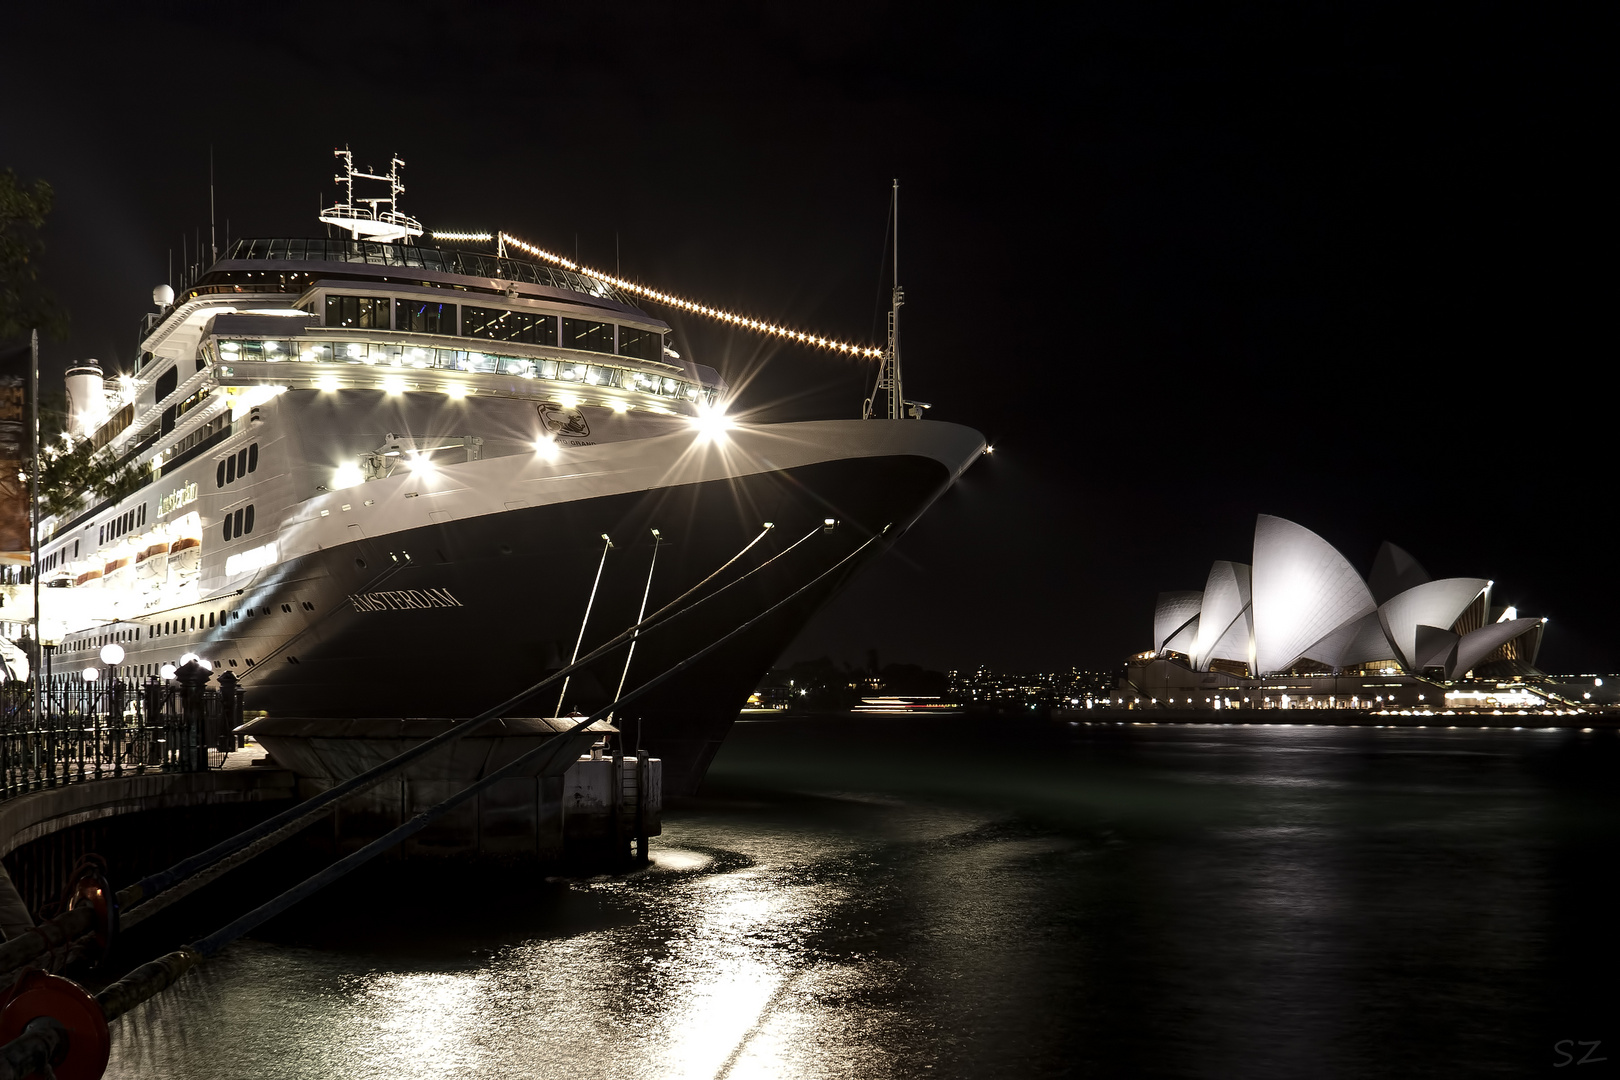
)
(888, 381)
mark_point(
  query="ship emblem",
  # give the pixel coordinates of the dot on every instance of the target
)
(563, 422)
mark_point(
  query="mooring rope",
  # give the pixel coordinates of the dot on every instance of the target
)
(157, 891)
(149, 979)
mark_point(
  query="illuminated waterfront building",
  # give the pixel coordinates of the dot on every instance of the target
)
(1299, 609)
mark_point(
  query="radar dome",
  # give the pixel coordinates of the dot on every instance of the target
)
(163, 296)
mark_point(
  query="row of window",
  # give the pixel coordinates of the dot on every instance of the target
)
(239, 523)
(414, 356)
(205, 621)
(56, 558)
(240, 463)
(123, 523)
(493, 324)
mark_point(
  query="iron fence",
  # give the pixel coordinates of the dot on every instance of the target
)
(114, 727)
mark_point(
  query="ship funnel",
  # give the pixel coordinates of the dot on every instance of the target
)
(86, 399)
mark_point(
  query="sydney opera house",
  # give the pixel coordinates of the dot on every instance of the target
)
(1299, 616)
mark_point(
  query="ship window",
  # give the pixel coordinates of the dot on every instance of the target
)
(247, 522)
(219, 475)
(236, 523)
(241, 463)
(223, 615)
(253, 458)
(166, 383)
(497, 325)
(230, 468)
(363, 312)
(641, 344)
(210, 620)
(420, 317)
(587, 335)
(287, 608)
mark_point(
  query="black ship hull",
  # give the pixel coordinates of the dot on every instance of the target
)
(453, 618)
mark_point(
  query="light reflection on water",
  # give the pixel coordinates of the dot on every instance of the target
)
(1146, 901)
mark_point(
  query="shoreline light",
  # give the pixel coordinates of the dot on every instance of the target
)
(719, 314)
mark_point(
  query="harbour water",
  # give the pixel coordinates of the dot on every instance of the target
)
(882, 897)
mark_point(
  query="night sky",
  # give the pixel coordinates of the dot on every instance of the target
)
(1183, 263)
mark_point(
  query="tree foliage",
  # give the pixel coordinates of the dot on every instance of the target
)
(66, 476)
(24, 304)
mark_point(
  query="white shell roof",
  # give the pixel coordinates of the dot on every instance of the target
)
(1481, 643)
(1356, 642)
(1223, 622)
(1434, 603)
(1170, 615)
(1303, 589)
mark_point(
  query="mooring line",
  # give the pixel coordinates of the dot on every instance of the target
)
(151, 978)
(155, 892)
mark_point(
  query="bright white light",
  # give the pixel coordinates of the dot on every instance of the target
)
(186, 658)
(421, 465)
(230, 346)
(347, 476)
(712, 424)
(271, 346)
(568, 401)
(91, 674)
(167, 671)
(546, 448)
(393, 384)
(251, 559)
(619, 406)
(327, 383)
(456, 391)
(112, 653)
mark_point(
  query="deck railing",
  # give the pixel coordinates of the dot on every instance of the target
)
(114, 727)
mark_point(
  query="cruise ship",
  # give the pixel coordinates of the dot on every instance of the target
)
(387, 477)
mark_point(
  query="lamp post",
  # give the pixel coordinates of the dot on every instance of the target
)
(50, 638)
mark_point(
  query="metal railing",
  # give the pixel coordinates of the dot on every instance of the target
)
(111, 728)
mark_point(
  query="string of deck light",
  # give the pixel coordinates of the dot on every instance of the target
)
(671, 300)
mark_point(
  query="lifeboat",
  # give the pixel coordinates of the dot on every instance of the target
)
(185, 553)
(152, 560)
(118, 572)
(87, 573)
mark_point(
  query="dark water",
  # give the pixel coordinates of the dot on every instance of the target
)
(897, 898)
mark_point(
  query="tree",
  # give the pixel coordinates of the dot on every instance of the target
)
(24, 304)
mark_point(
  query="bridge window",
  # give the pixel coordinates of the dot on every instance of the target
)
(362, 312)
(420, 317)
(522, 326)
(587, 335)
(641, 344)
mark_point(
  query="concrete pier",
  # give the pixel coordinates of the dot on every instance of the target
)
(593, 811)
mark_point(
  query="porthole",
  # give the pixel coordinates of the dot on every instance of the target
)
(210, 620)
(247, 522)
(308, 606)
(241, 462)
(253, 458)
(236, 523)
(230, 469)
(219, 475)
(287, 608)
(361, 563)
(292, 659)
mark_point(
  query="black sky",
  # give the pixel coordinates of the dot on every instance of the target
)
(1182, 262)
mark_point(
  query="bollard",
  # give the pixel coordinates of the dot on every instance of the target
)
(193, 679)
(231, 696)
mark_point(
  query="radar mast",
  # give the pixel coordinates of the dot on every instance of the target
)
(365, 218)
